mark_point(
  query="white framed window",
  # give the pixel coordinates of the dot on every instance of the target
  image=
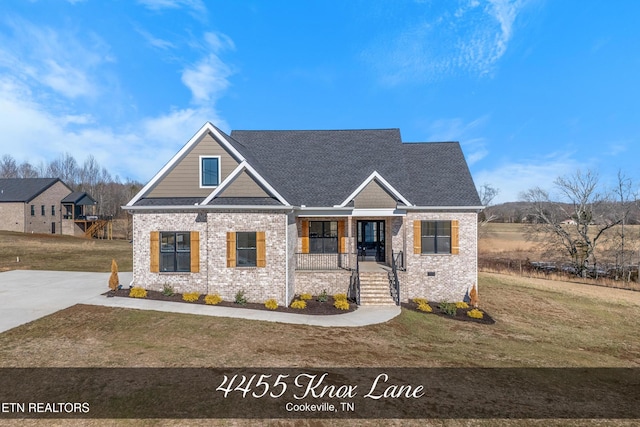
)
(209, 171)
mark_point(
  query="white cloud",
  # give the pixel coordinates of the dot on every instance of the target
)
(515, 177)
(466, 133)
(54, 59)
(196, 6)
(208, 77)
(468, 38)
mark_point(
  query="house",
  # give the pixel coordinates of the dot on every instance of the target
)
(32, 205)
(279, 213)
(47, 206)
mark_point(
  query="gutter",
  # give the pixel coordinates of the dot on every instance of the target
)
(205, 208)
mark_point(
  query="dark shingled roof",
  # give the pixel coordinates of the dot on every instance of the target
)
(79, 198)
(322, 168)
(23, 189)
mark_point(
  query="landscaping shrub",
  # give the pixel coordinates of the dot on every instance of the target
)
(448, 308)
(425, 307)
(337, 297)
(323, 297)
(420, 301)
(473, 297)
(167, 290)
(212, 299)
(341, 304)
(475, 313)
(305, 297)
(191, 296)
(299, 304)
(271, 304)
(462, 304)
(240, 298)
(138, 292)
(113, 279)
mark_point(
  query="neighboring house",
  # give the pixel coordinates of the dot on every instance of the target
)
(32, 205)
(279, 213)
(48, 206)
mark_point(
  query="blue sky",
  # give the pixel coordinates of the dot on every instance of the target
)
(532, 89)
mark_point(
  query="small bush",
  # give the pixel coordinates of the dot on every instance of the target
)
(448, 308)
(338, 297)
(191, 296)
(138, 292)
(271, 304)
(475, 313)
(420, 301)
(299, 304)
(212, 299)
(113, 279)
(462, 304)
(305, 297)
(473, 296)
(341, 304)
(425, 307)
(323, 297)
(167, 290)
(240, 298)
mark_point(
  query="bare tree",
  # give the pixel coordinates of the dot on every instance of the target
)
(624, 203)
(576, 222)
(25, 170)
(8, 167)
(487, 193)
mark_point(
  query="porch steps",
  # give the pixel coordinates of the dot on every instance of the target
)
(374, 289)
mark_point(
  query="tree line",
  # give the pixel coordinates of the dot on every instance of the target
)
(583, 221)
(109, 191)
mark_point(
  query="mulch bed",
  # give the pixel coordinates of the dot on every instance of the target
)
(313, 306)
(461, 313)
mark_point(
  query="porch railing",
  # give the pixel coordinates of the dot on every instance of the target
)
(345, 261)
(354, 284)
(394, 283)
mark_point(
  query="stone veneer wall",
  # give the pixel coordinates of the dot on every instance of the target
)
(454, 274)
(316, 281)
(259, 284)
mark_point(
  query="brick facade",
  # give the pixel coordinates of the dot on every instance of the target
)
(441, 277)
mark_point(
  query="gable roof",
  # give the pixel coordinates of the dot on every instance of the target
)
(328, 168)
(79, 198)
(24, 189)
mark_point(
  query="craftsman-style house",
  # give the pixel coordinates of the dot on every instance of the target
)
(279, 213)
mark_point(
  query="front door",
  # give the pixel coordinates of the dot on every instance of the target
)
(371, 240)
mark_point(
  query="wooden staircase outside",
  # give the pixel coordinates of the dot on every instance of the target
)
(374, 288)
(97, 229)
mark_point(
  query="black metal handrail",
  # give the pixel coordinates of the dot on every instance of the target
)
(394, 283)
(398, 259)
(354, 284)
(345, 261)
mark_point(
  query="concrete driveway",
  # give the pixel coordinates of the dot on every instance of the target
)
(29, 295)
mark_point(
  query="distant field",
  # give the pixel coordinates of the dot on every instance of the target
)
(64, 253)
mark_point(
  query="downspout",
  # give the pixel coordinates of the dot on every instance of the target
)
(286, 259)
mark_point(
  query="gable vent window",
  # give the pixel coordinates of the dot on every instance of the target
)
(209, 171)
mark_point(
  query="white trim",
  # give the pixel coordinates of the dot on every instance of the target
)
(444, 208)
(375, 175)
(194, 208)
(224, 184)
(204, 156)
(207, 127)
(254, 174)
(378, 212)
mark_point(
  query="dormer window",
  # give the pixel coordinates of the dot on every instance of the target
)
(209, 171)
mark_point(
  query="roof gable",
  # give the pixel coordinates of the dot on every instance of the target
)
(374, 190)
(180, 177)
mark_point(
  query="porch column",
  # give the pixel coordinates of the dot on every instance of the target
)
(350, 243)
